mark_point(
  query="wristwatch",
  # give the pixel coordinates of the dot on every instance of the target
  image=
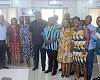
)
(85, 48)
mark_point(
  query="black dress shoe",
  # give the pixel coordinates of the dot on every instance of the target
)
(34, 69)
(98, 78)
(88, 77)
(72, 73)
(54, 73)
(0, 68)
(5, 67)
(49, 70)
(60, 69)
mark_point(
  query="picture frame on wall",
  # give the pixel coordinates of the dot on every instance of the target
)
(27, 11)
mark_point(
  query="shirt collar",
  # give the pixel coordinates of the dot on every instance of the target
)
(88, 25)
(1, 25)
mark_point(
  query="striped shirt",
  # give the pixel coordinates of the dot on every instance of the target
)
(51, 32)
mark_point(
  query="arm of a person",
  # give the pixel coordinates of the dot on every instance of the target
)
(31, 38)
(71, 46)
(94, 37)
(21, 39)
(98, 35)
(7, 41)
(87, 36)
(30, 34)
(7, 36)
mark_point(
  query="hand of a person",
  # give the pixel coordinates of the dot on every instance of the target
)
(71, 49)
(31, 44)
(93, 31)
(48, 42)
(8, 45)
(21, 44)
(83, 52)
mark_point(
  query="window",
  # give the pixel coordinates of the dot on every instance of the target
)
(46, 13)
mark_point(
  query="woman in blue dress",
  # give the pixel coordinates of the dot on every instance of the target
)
(27, 50)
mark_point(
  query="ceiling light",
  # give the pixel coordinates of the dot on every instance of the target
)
(54, 2)
(90, 1)
(16, 1)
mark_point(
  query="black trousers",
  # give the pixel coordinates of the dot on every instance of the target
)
(2, 52)
(53, 63)
(8, 54)
(38, 48)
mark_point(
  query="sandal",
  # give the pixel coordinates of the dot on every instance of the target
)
(66, 75)
(77, 79)
(62, 76)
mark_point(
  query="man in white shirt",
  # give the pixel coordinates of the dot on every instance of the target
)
(2, 43)
(7, 48)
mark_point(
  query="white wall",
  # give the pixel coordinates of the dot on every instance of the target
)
(75, 8)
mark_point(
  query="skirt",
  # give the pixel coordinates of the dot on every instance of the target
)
(15, 47)
(79, 58)
(27, 51)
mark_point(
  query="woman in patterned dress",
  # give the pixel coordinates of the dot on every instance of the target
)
(65, 48)
(13, 40)
(81, 37)
(27, 50)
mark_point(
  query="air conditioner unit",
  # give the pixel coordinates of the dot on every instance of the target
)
(5, 3)
(98, 4)
(55, 3)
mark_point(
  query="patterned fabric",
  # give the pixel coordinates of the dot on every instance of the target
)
(79, 41)
(27, 50)
(51, 32)
(15, 47)
(64, 50)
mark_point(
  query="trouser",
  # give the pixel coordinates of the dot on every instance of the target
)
(53, 63)
(8, 54)
(2, 52)
(36, 56)
(98, 61)
(90, 57)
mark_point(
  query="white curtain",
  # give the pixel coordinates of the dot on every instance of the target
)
(12, 12)
(8, 13)
(94, 13)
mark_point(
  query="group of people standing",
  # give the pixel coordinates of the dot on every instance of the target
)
(70, 43)
(16, 38)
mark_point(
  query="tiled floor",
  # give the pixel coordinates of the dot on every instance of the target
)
(14, 74)
(39, 75)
